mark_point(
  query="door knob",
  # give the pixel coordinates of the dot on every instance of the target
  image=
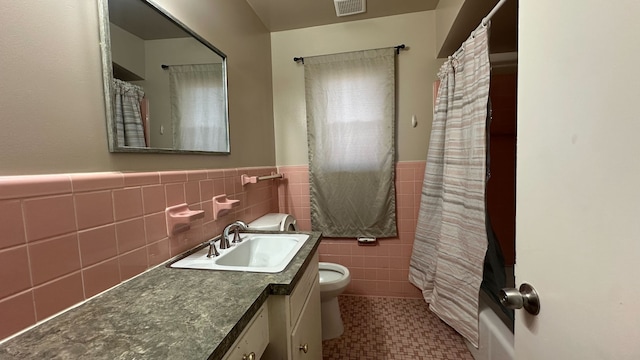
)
(526, 297)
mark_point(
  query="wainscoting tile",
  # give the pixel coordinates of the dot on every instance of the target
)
(16, 313)
(11, 224)
(54, 258)
(14, 271)
(58, 295)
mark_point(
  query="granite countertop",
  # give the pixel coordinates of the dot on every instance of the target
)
(163, 313)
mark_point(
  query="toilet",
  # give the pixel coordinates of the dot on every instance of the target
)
(334, 278)
(274, 222)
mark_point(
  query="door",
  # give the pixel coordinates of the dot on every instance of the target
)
(578, 178)
(306, 336)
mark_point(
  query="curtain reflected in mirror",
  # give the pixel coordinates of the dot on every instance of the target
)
(196, 97)
(166, 86)
(128, 103)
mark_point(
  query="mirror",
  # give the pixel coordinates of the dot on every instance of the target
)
(165, 86)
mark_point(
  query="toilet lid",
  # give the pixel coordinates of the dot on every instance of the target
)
(327, 275)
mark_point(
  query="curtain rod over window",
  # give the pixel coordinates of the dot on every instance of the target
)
(397, 47)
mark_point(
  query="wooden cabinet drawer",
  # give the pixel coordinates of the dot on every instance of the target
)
(306, 336)
(254, 338)
(299, 294)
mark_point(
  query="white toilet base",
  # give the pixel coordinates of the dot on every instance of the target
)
(332, 326)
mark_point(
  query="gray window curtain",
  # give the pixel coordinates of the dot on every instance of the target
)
(198, 110)
(128, 114)
(350, 101)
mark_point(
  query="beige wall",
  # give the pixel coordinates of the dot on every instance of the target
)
(417, 69)
(446, 13)
(127, 50)
(52, 103)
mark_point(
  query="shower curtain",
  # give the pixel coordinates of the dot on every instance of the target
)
(451, 238)
(128, 115)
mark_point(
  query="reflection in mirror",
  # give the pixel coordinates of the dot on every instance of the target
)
(166, 86)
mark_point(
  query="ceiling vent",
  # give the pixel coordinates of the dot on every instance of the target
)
(350, 7)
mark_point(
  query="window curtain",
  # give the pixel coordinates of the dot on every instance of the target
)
(350, 100)
(198, 107)
(127, 102)
(451, 236)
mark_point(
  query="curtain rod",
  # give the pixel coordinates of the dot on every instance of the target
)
(483, 23)
(165, 66)
(493, 11)
(397, 47)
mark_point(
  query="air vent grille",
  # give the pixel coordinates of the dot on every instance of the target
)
(350, 7)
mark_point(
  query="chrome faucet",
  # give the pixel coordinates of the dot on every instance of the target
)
(236, 226)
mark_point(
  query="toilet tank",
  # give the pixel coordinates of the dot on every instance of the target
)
(274, 222)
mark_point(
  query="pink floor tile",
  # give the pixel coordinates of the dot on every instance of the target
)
(379, 328)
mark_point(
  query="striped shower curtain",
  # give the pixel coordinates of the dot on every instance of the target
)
(451, 238)
(128, 116)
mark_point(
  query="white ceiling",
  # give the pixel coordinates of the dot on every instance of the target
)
(278, 15)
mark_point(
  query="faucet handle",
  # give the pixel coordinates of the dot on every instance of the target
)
(213, 252)
(236, 236)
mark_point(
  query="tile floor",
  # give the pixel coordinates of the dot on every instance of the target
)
(380, 328)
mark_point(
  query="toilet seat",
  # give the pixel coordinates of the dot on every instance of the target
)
(333, 278)
(328, 275)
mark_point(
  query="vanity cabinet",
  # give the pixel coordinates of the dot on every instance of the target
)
(306, 336)
(252, 342)
(295, 329)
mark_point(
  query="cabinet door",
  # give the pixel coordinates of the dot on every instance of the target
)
(307, 334)
(254, 338)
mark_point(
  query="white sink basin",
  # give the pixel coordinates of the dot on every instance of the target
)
(269, 253)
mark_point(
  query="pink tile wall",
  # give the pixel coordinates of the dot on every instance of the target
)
(65, 238)
(380, 270)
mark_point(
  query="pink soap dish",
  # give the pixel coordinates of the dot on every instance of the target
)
(222, 205)
(179, 218)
